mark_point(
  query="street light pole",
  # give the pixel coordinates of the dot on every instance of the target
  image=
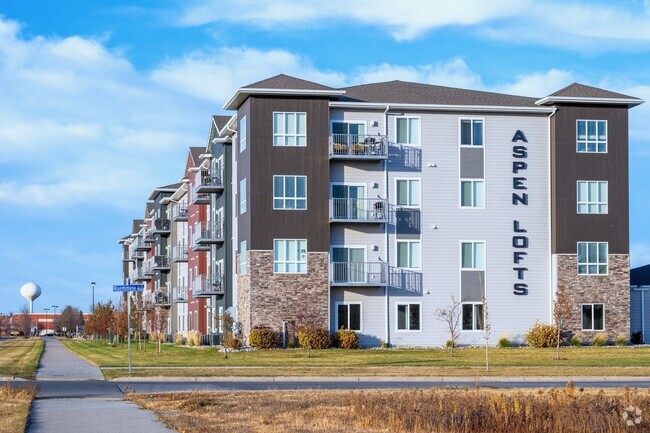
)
(54, 317)
(93, 284)
(46, 327)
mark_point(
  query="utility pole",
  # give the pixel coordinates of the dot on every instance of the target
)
(46, 327)
(93, 285)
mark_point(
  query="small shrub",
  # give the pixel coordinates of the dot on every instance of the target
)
(504, 342)
(449, 344)
(576, 340)
(231, 342)
(263, 338)
(621, 340)
(637, 338)
(600, 339)
(179, 340)
(541, 335)
(314, 338)
(383, 344)
(345, 339)
(193, 338)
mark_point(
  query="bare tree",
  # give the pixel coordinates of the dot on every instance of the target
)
(159, 326)
(451, 316)
(68, 320)
(24, 322)
(487, 331)
(5, 323)
(561, 314)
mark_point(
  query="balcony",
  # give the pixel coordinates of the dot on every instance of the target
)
(372, 274)
(126, 256)
(179, 212)
(161, 263)
(207, 233)
(180, 294)
(208, 285)
(140, 244)
(161, 298)
(209, 183)
(179, 253)
(148, 269)
(196, 198)
(135, 254)
(140, 274)
(359, 210)
(161, 226)
(360, 147)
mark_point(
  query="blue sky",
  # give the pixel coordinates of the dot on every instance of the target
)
(100, 100)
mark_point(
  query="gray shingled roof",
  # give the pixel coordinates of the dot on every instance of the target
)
(148, 209)
(135, 228)
(196, 152)
(577, 90)
(220, 121)
(404, 92)
(640, 276)
(283, 81)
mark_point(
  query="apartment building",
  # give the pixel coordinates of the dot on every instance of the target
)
(370, 207)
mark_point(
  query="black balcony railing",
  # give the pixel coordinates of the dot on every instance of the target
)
(358, 146)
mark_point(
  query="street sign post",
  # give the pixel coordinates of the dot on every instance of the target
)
(128, 288)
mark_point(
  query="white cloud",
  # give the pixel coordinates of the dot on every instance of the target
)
(576, 24)
(538, 84)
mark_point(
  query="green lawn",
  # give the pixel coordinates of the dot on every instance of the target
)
(586, 361)
(19, 357)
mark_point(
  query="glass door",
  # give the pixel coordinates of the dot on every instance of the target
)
(349, 264)
(348, 201)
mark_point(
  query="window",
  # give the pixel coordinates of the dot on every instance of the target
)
(290, 129)
(471, 132)
(242, 258)
(472, 255)
(348, 316)
(408, 254)
(592, 197)
(242, 134)
(290, 256)
(408, 317)
(407, 130)
(592, 258)
(289, 192)
(591, 136)
(408, 192)
(472, 193)
(242, 196)
(473, 317)
(593, 317)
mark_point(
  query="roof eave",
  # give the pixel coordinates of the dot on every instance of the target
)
(241, 94)
(630, 102)
(441, 107)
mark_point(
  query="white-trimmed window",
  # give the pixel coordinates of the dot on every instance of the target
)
(242, 258)
(471, 132)
(348, 316)
(408, 192)
(591, 136)
(408, 130)
(242, 196)
(289, 129)
(409, 254)
(592, 197)
(472, 193)
(593, 317)
(290, 256)
(290, 192)
(592, 258)
(473, 317)
(472, 256)
(408, 317)
(242, 134)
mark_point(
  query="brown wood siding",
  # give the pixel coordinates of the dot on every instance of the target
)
(243, 172)
(261, 160)
(568, 166)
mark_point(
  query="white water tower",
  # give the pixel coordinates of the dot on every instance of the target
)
(30, 291)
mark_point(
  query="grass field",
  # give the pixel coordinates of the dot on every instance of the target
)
(19, 357)
(587, 361)
(402, 411)
(14, 407)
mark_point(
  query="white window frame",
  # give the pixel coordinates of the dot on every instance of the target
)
(243, 264)
(410, 241)
(242, 196)
(241, 134)
(471, 139)
(336, 315)
(475, 327)
(597, 203)
(484, 268)
(298, 260)
(460, 196)
(588, 263)
(410, 204)
(408, 316)
(408, 138)
(284, 135)
(597, 141)
(284, 198)
(593, 319)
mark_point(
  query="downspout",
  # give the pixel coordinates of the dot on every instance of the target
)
(552, 277)
(387, 246)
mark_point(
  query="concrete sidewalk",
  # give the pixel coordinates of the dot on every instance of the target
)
(57, 362)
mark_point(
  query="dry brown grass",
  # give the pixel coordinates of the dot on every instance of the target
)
(400, 411)
(15, 402)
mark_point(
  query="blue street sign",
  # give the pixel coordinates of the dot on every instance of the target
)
(129, 288)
